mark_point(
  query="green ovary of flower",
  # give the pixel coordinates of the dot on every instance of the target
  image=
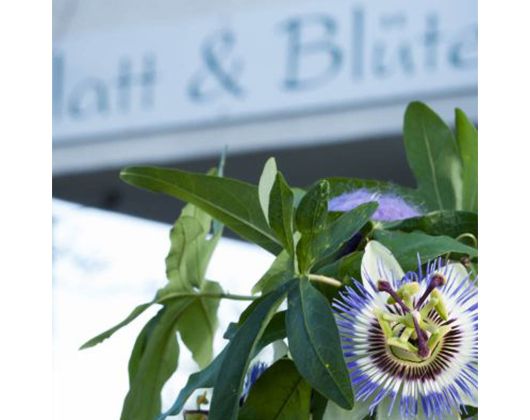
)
(413, 336)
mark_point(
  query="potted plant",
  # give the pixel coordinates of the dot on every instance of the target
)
(380, 283)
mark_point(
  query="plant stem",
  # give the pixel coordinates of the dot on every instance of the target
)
(324, 279)
(207, 296)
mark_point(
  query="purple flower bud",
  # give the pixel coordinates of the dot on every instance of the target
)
(391, 206)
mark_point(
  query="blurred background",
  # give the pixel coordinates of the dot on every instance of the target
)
(320, 85)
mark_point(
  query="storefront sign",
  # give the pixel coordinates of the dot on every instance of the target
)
(267, 63)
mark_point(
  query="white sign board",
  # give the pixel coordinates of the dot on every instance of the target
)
(316, 57)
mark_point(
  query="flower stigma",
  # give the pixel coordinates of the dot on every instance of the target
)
(409, 331)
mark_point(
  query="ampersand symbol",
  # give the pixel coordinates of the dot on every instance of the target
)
(219, 76)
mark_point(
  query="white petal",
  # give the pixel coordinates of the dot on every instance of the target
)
(468, 401)
(379, 264)
(334, 412)
(456, 271)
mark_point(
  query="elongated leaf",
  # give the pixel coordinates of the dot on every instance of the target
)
(298, 194)
(275, 329)
(449, 223)
(329, 240)
(315, 345)
(234, 203)
(313, 208)
(281, 271)
(266, 182)
(406, 246)
(311, 217)
(189, 254)
(136, 312)
(227, 391)
(194, 212)
(203, 379)
(198, 323)
(207, 377)
(280, 393)
(345, 268)
(140, 345)
(467, 139)
(281, 212)
(318, 405)
(433, 156)
(157, 363)
(470, 412)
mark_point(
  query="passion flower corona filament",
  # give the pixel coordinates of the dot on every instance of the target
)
(392, 207)
(410, 340)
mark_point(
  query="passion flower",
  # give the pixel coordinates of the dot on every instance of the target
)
(410, 340)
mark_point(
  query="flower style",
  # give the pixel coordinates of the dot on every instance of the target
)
(391, 206)
(410, 340)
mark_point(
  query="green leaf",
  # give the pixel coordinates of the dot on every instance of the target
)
(106, 334)
(207, 377)
(329, 240)
(433, 156)
(234, 203)
(203, 379)
(194, 212)
(198, 323)
(139, 346)
(281, 271)
(189, 254)
(315, 344)
(227, 390)
(281, 212)
(275, 329)
(471, 412)
(318, 405)
(344, 268)
(406, 246)
(298, 194)
(467, 139)
(311, 217)
(280, 393)
(266, 182)
(157, 363)
(313, 208)
(449, 223)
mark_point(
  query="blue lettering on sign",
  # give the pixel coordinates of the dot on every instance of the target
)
(358, 43)
(217, 69)
(432, 42)
(316, 52)
(463, 52)
(298, 47)
(94, 96)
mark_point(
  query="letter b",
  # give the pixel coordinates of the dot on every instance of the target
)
(326, 57)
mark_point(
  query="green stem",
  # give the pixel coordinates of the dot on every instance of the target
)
(324, 279)
(206, 295)
(468, 236)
